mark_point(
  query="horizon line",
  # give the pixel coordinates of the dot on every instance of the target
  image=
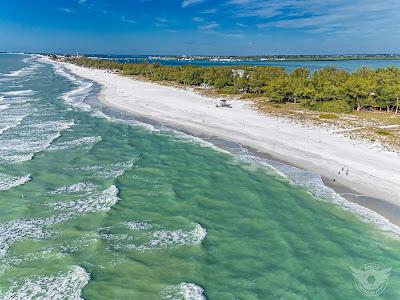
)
(199, 55)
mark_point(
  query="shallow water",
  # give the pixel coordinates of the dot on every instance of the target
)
(289, 65)
(97, 205)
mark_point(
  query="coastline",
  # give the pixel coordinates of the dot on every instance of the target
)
(372, 171)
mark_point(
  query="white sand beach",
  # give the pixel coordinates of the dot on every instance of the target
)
(373, 171)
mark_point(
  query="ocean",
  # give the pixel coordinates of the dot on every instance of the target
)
(95, 204)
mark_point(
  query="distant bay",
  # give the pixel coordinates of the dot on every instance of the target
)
(312, 65)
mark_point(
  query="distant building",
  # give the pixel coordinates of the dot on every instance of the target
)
(238, 73)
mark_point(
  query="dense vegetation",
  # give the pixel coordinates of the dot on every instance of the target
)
(328, 89)
(264, 57)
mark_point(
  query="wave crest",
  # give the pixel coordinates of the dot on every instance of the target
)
(7, 182)
(96, 202)
(183, 291)
(56, 287)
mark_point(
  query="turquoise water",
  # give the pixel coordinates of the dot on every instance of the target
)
(96, 205)
(289, 65)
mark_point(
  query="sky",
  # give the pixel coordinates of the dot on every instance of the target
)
(201, 27)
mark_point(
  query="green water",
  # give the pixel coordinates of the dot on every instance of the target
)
(115, 211)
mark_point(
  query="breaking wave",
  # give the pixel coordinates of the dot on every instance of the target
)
(144, 236)
(19, 93)
(109, 171)
(61, 71)
(30, 139)
(78, 143)
(77, 96)
(313, 183)
(36, 229)
(194, 140)
(7, 182)
(11, 117)
(4, 106)
(96, 202)
(138, 225)
(17, 230)
(61, 286)
(129, 122)
(59, 250)
(19, 73)
(81, 187)
(183, 291)
(166, 238)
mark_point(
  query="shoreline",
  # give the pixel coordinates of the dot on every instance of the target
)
(383, 208)
(127, 95)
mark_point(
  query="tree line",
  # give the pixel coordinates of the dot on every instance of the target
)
(328, 89)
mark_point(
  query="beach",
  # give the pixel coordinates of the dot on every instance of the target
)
(360, 166)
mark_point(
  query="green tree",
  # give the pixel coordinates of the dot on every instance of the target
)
(388, 90)
(327, 83)
(358, 89)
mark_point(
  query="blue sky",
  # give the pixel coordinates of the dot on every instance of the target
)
(225, 27)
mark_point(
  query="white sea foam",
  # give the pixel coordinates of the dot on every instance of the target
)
(9, 119)
(172, 238)
(19, 100)
(10, 158)
(4, 106)
(17, 230)
(99, 114)
(7, 182)
(313, 183)
(12, 115)
(77, 96)
(144, 236)
(77, 143)
(46, 253)
(61, 286)
(96, 202)
(31, 138)
(19, 150)
(179, 237)
(137, 123)
(81, 187)
(183, 291)
(19, 73)
(15, 109)
(138, 225)
(23, 229)
(115, 237)
(195, 140)
(50, 126)
(13, 261)
(129, 122)
(15, 85)
(61, 71)
(19, 93)
(60, 250)
(25, 71)
(111, 171)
